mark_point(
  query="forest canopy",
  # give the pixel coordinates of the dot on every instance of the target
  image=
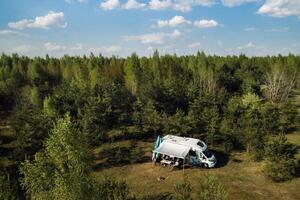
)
(239, 102)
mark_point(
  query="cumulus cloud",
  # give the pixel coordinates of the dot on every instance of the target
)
(251, 29)
(175, 21)
(133, 4)
(54, 47)
(110, 4)
(52, 19)
(77, 47)
(187, 5)
(195, 45)
(160, 4)
(153, 38)
(79, 1)
(116, 4)
(180, 5)
(232, 3)
(250, 45)
(204, 23)
(277, 29)
(280, 8)
(11, 32)
(106, 49)
(22, 49)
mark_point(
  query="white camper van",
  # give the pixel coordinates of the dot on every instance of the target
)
(175, 151)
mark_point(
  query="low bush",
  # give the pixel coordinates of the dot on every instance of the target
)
(281, 171)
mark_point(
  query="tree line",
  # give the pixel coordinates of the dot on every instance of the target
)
(238, 102)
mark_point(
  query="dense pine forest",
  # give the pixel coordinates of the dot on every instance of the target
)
(54, 113)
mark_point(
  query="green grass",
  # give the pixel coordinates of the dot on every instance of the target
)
(294, 138)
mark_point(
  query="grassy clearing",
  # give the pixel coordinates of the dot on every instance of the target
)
(242, 178)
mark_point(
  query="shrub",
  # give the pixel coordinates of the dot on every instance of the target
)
(110, 189)
(136, 155)
(7, 189)
(182, 190)
(281, 165)
(211, 189)
(281, 171)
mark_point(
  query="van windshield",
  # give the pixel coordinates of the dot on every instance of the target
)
(207, 153)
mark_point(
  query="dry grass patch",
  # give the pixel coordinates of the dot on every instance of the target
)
(242, 178)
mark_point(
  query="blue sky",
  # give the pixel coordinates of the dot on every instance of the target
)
(120, 27)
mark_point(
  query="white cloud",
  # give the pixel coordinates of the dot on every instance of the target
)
(176, 33)
(175, 21)
(50, 20)
(54, 47)
(22, 49)
(8, 32)
(278, 29)
(220, 43)
(110, 4)
(106, 49)
(153, 38)
(187, 5)
(251, 29)
(112, 49)
(77, 47)
(180, 5)
(116, 4)
(11, 32)
(160, 4)
(280, 8)
(206, 3)
(250, 45)
(79, 1)
(206, 23)
(133, 4)
(295, 44)
(232, 3)
(195, 45)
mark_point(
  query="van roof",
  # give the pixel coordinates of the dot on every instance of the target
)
(187, 141)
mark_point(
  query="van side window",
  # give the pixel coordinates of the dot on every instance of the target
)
(201, 155)
(192, 153)
(200, 144)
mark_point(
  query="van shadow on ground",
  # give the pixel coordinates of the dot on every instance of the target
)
(222, 158)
